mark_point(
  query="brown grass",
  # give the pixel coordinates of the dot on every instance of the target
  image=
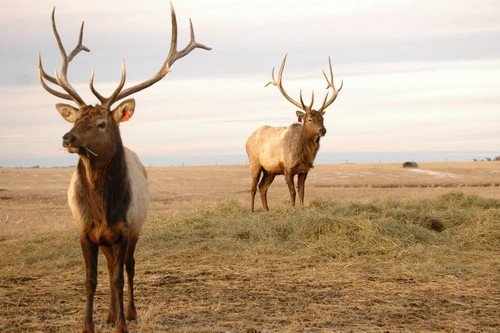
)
(357, 257)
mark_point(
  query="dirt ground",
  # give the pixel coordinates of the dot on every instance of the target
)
(206, 264)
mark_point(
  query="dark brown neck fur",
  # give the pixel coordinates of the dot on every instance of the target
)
(104, 187)
(308, 148)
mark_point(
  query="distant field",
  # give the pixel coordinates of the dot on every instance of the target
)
(377, 248)
(36, 198)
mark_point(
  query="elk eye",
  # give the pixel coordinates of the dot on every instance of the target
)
(101, 125)
(310, 120)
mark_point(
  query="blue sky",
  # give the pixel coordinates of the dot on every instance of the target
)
(418, 76)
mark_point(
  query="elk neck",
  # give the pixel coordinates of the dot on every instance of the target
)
(104, 185)
(308, 146)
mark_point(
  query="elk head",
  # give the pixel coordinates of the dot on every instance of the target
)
(311, 119)
(95, 133)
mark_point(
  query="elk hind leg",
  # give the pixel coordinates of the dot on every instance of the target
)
(291, 186)
(256, 171)
(264, 184)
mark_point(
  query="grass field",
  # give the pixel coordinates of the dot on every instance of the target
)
(376, 248)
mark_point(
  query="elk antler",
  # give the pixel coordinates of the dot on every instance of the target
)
(173, 55)
(279, 84)
(61, 79)
(330, 84)
(302, 105)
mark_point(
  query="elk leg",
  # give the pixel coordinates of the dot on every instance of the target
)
(110, 258)
(264, 184)
(256, 172)
(130, 266)
(301, 186)
(120, 250)
(115, 255)
(90, 251)
(291, 186)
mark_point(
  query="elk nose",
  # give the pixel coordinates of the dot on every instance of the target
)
(68, 139)
(322, 131)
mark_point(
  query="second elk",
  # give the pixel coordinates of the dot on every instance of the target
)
(291, 150)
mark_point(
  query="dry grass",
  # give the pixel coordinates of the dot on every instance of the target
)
(34, 200)
(360, 264)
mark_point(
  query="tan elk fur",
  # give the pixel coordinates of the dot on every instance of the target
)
(287, 151)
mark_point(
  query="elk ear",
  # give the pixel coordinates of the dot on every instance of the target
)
(68, 112)
(124, 111)
(300, 116)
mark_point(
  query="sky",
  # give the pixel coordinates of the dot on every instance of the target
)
(421, 78)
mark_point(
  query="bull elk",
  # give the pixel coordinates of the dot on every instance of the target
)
(288, 150)
(108, 193)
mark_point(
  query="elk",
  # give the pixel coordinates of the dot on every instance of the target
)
(291, 150)
(108, 193)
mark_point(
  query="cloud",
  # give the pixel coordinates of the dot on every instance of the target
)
(417, 75)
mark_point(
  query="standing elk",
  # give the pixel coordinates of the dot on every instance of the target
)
(288, 150)
(108, 194)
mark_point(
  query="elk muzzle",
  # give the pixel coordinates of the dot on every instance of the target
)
(68, 139)
(322, 131)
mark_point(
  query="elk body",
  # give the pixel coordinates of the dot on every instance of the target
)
(287, 151)
(108, 193)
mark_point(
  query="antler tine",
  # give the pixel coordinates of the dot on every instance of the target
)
(56, 34)
(330, 84)
(62, 80)
(273, 80)
(324, 101)
(79, 47)
(106, 102)
(173, 38)
(43, 75)
(303, 105)
(279, 84)
(42, 72)
(100, 97)
(173, 55)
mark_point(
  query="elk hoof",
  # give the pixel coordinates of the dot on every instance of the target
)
(131, 315)
(111, 319)
(121, 329)
(88, 328)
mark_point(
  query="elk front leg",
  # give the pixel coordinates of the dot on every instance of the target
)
(120, 251)
(110, 258)
(130, 266)
(90, 251)
(301, 186)
(115, 255)
(291, 186)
